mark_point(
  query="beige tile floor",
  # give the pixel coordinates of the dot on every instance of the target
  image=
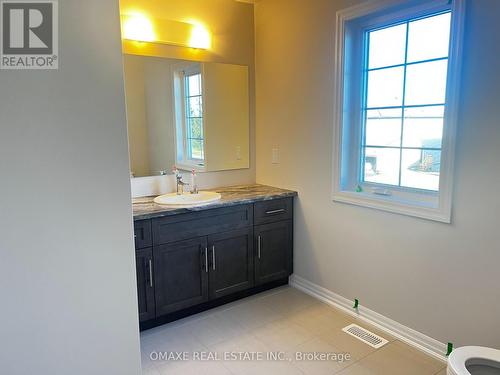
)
(280, 320)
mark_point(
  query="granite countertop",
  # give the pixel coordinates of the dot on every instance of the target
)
(145, 208)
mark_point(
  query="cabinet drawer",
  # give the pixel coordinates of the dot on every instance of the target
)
(273, 210)
(142, 234)
(180, 227)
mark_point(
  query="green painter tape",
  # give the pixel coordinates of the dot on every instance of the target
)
(359, 189)
(356, 304)
(450, 349)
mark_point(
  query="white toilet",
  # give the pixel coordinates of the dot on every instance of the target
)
(474, 360)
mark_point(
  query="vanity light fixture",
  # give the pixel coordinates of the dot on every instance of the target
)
(200, 38)
(140, 28)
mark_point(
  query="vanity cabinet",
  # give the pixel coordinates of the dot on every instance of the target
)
(195, 259)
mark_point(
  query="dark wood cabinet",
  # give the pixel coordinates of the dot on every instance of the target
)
(273, 259)
(181, 277)
(201, 223)
(231, 262)
(142, 234)
(273, 210)
(145, 283)
(195, 260)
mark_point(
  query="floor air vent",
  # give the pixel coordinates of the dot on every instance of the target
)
(364, 335)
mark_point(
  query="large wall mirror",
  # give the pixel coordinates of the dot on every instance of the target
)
(193, 115)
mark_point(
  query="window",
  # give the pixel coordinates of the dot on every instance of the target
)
(397, 78)
(188, 93)
(403, 117)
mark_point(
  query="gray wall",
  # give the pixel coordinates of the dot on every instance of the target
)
(67, 274)
(440, 279)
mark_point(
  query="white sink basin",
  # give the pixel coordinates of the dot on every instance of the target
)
(188, 199)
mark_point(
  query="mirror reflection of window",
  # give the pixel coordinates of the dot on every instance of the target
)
(193, 127)
(189, 116)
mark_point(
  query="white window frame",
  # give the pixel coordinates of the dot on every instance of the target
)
(351, 25)
(180, 71)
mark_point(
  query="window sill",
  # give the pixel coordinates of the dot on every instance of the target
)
(186, 166)
(394, 205)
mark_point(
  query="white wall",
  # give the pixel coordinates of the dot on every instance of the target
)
(149, 96)
(67, 273)
(440, 279)
(137, 121)
(226, 111)
(160, 113)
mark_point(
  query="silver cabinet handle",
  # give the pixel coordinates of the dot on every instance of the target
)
(206, 259)
(150, 273)
(258, 246)
(275, 211)
(213, 257)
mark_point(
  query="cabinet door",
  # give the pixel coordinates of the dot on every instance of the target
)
(181, 275)
(274, 251)
(145, 284)
(231, 262)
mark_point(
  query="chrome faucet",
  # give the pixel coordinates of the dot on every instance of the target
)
(180, 184)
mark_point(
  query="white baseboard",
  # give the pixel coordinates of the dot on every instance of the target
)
(414, 338)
